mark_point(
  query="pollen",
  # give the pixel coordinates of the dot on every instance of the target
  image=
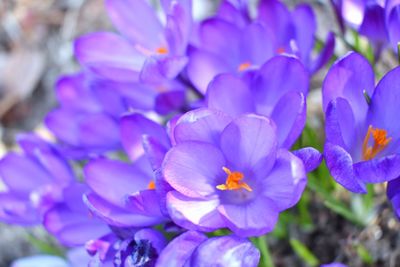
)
(162, 50)
(233, 181)
(244, 66)
(151, 185)
(379, 142)
(280, 50)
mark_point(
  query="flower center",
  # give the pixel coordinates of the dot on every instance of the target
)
(233, 181)
(162, 50)
(380, 142)
(151, 185)
(244, 66)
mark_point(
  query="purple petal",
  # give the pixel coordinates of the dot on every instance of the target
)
(340, 165)
(378, 170)
(256, 44)
(156, 238)
(114, 180)
(194, 168)
(245, 145)
(202, 124)
(348, 78)
(373, 25)
(148, 35)
(146, 201)
(134, 127)
(109, 55)
(231, 251)
(15, 210)
(393, 194)
(286, 181)
(325, 54)
(310, 156)
(235, 101)
(289, 115)
(179, 250)
(254, 218)
(278, 76)
(393, 22)
(169, 101)
(194, 214)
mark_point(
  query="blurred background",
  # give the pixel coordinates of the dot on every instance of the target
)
(36, 39)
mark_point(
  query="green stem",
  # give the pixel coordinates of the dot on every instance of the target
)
(266, 258)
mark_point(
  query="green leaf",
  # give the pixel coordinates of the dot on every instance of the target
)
(45, 246)
(304, 253)
(364, 254)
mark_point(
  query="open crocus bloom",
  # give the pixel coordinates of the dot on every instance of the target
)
(230, 173)
(362, 133)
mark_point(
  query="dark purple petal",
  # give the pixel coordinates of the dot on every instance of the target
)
(289, 115)
(286, 181)
(348, 78)
(169, 101)
(225, 251)
(393, 22)
(310, 156)
(202, 124)
(134, 127)
(179, 250)
(250, 141)
(230, 94)
(148, 35)
(325, 54)
(373, 25)
(109, 55)
(194, 214)
(254, 218)
(156, 238)
(393, 194)
(340, 165)
(194, 168)
(278, 76)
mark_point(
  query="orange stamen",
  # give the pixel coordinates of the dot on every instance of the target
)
(244, 66)
(152, 185)
(233, 181)
(162, 50)
(380, 142)
(280, 50)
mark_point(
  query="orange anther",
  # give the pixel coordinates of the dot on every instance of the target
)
(162, 50)
(233, 181)
(380, 142)
(244, 66)
(152, 185)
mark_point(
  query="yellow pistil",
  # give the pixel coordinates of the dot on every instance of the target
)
(380, 142)
(233, 181)
(162, 50)
(152, 185)
(244, 66)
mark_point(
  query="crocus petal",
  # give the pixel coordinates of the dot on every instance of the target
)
(254, 218)
(310, 156)
(203, 66)
(22, 174)
(194, 168)
(306, 26)
(393, 194)
(348, 78)
(257, 44)
(340, 165)
(373, 25)
(114, 180)
(289, 114)
(133, 127)
(393, 22)
(231, 251)
(353, 11)
(230, 94)
(40, 261)
(194, 214)
(202, 124)
(245, 144)
(334, 264)
(14, 210)
(286, 181)
(148, 35)
(383, 108)
(169, 101)
(109, 55)
(278, 76)
(179, 250)
(325, 54)
(229, 12)
(146, 201)
(378, 170)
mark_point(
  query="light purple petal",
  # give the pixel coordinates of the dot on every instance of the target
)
(109, 55)
(202, 124)
(194, 168)
(15, 210)
(325, 54)
(378, 170)
(310, 156)
(250, 141)
(230, 94)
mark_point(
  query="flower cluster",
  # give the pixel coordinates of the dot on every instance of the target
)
(175, 130)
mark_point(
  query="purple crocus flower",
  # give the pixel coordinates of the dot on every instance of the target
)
(393, 194)
(378, 20)
(229, 45)
(195, 249)
(143, 47)
(334, 264)
(236, 170)
(361, 130)
(34, 181)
